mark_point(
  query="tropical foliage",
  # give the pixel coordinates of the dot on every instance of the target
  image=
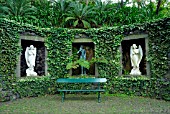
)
(83, 13)
(17, 9)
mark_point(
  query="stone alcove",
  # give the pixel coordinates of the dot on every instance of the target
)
(40, 64)
(89, 46)
(128, 41)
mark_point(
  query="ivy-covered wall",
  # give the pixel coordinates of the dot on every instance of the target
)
(9, 51)
(159, 44)
(59, 46)
(107, 40)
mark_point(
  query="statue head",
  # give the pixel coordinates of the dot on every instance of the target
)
(81, 46)
(134, 46)
(31, 47)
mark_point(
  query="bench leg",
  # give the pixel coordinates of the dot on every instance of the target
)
(63, 96)
(99, 99)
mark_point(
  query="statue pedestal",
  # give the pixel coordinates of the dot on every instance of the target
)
(31, 72)
(135, 71)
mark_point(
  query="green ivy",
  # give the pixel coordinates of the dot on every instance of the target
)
(34, 86)
(58, 46)
(106, 40)
(159, 38)
(140, 86)
(8, 46)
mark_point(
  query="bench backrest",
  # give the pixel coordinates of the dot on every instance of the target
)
(81, 80)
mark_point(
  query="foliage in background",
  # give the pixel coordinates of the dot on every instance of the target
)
(104, 12)
(82, 15)
(49, 13)
(18, 10)
(62, 7)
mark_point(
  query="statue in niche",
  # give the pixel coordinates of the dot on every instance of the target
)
(136, 55)
(30, 55)
(82, 56)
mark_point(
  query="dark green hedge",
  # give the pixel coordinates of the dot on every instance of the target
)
(140, 86)
(34, 86)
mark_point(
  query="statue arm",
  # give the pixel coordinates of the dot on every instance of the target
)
(79, 51)
(131, 53)
(140, 54)
(34, 51)
(26, 56)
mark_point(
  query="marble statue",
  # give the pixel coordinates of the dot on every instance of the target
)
(30, 56)
(136, 55)
(82, 56)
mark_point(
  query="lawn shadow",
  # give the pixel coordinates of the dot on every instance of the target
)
(83, 97)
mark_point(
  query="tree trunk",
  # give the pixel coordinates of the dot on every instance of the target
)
(121, 4)
(158, 7)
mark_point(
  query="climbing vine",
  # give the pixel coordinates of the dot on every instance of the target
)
(107, 41)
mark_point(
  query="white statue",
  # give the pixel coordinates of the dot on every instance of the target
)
(136, 55)
(30, 55)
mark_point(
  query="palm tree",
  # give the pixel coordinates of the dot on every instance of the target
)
(62, 6)
(17, 9)
(103, 10)
(45, 13)
(81, 15)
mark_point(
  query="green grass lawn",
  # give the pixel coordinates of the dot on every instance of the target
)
(85, 104)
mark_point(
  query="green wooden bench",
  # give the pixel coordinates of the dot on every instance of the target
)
(97, 81)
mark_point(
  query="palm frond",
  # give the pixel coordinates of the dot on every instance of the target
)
(86, 24)
(69, 18)
(75, 23)
(17, 8)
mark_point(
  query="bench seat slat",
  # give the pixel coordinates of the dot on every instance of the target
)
(96, 90)
(81, 80)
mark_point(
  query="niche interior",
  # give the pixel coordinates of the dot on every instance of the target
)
(40, 57)
(126, 61)
(89, 48)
